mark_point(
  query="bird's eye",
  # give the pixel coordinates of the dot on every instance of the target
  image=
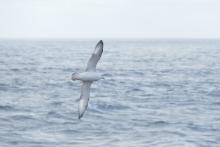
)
(73, 76)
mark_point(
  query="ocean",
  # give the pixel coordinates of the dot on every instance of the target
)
(156, 92)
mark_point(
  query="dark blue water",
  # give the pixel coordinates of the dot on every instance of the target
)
(155, 93)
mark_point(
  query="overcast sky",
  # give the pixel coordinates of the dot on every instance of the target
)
(109, 18)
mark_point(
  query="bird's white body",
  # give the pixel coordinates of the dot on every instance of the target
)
(87, 76)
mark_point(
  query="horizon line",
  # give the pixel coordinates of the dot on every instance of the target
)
(109, 38)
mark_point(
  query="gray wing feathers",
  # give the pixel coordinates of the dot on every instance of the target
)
(91, 66)
(84, 98)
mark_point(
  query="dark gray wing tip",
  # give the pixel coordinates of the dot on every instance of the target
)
(99, 47)
(100, 43)
(80, 116)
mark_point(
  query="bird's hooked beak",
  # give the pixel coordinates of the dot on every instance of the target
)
(74, 76)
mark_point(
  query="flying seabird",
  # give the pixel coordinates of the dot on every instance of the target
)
(90, 75)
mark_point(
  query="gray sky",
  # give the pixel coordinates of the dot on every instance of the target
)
(109, 18)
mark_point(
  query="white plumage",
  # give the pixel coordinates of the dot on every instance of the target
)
(87, 77)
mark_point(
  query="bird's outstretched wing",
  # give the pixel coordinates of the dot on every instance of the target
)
(91, 65)
(84, 97)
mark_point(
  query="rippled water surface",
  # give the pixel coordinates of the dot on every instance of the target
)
(155, 93)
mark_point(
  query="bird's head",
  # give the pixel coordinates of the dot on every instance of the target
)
(74, 76)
